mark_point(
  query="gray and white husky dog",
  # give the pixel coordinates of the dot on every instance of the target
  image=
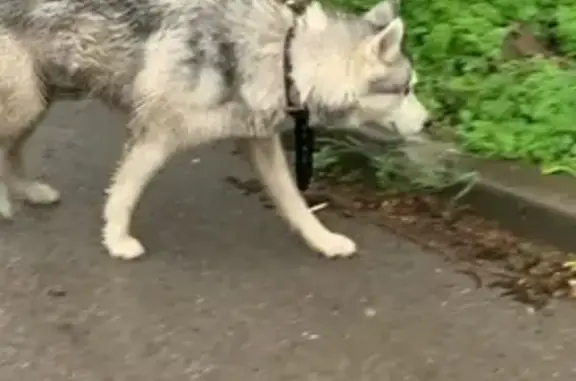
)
(194, 71)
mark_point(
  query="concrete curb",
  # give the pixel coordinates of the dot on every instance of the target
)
(521, 199)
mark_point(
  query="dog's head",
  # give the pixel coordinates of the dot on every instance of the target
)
(355, 74)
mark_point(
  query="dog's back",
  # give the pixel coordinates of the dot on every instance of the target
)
(98, 46)
(90, 46)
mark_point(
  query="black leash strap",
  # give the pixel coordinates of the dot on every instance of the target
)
(303, 134)
(304, 149)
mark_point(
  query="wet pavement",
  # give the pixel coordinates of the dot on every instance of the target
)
(227, 293)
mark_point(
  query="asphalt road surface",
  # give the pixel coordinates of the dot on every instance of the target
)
(227, 293)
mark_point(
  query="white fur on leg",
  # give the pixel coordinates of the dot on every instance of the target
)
(270, 163)
(135, 171)
(332, 245)
(6, 208)
(115, 234)
(123, 247)
(38, 193)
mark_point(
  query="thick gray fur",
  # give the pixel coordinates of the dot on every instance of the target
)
(193, 71)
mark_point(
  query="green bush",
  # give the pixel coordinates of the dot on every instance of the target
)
(512, 110)
(523, 111)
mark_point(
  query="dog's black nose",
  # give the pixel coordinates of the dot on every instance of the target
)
(428, 124)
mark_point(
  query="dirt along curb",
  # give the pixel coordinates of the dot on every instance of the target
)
(511, 232)
(522, 200)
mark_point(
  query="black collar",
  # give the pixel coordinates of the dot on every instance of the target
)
(293, 100)
(303, 133)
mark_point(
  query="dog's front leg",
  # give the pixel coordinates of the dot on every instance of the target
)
(267, 157)
(142, 159)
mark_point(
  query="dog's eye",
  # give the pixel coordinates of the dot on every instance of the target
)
(383, 87)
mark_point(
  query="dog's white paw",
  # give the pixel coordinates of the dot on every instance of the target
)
(124, 247)
(40, 194)
(334, 245)
(6, 208)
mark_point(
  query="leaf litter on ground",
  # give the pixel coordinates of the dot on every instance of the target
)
(400, 187)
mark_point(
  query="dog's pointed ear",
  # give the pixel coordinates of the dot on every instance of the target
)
(314, 16)
(383, 13)
(387, 44)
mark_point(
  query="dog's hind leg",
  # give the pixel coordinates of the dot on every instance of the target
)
(144, 156)
(269, 161)
(6, 209)
(32, 191)
(22, 104)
